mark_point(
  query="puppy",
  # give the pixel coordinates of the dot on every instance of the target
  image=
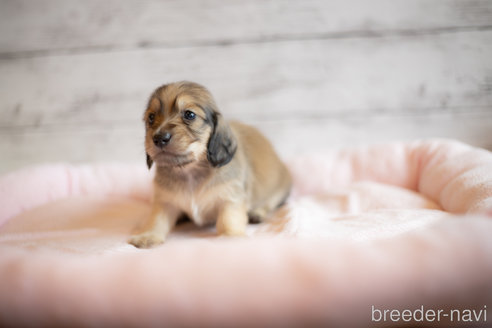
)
(206, 168)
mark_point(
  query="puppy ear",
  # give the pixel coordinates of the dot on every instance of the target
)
(149, 161)
(222, 144)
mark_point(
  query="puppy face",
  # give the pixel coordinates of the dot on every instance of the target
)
(183, 126)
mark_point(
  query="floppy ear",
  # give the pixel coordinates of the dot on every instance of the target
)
(149, 161)
(222, 144)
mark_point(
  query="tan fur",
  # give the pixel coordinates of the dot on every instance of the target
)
(210, 170)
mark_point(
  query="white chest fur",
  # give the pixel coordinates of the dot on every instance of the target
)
(197, 203)
(195, 212)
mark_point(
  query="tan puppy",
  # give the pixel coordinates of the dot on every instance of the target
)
(206, 168)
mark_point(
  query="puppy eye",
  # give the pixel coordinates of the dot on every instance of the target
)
(189, 115)
(151, 118)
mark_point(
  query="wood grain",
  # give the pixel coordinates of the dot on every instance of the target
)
(333, 78)
(75, 76)
(292, 138)
(44, 27)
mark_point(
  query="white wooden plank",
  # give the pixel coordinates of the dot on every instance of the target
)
(331, 78)
(74, 80)
(45, 25)
(290, 137)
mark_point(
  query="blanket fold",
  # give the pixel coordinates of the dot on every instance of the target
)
(395, 226)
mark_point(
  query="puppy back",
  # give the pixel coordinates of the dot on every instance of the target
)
(268, 172)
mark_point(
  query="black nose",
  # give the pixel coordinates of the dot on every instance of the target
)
(161, 139)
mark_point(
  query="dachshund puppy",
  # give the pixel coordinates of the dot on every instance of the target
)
(206, 168)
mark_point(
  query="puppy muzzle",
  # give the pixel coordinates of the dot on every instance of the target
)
(161, 139)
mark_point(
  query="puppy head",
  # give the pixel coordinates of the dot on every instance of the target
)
(184, 126)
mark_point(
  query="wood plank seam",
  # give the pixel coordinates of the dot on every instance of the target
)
(353, 34)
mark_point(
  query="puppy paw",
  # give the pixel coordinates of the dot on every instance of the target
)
(231, 230)
(146, 240)
(233, 233)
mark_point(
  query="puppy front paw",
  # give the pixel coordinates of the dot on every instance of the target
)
(233, 233)
(231, 229)
(146, 240)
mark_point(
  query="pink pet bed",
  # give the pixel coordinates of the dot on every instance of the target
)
(405, 226)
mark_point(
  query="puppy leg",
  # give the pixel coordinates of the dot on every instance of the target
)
(160, 224)
(232, 220)
(262, 212)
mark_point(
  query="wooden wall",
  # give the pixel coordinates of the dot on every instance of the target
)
(75, 75)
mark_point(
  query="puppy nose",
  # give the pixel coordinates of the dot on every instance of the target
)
(161, 139)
